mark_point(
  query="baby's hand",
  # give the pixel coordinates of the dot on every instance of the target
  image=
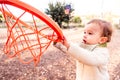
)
(60, 46)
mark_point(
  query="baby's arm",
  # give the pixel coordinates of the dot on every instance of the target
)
(98, 57)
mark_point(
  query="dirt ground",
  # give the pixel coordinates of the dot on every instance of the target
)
(54, 64)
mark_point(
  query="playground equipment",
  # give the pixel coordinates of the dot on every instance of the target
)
(28, 41)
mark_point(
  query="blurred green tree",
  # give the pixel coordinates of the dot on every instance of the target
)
(60, 12)
(76, 19)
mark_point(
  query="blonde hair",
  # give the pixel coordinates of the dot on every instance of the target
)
(105, 26)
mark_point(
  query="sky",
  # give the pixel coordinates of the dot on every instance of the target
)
(82, 7)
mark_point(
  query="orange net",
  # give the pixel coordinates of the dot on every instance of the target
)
(28, 41)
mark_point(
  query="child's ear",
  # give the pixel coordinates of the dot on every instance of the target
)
(103, 40)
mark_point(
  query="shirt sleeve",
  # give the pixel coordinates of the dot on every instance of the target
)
(99, 56)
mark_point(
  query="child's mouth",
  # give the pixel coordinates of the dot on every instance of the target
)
(84, 41)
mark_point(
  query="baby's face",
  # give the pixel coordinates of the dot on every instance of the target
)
(92, 34)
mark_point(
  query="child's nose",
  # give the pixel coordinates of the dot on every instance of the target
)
(84, 36)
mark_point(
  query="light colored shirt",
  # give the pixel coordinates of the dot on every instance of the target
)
(91, 62)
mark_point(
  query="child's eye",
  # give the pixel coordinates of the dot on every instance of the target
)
(90, 33)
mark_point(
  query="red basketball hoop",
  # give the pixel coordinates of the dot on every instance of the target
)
(28, 38)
